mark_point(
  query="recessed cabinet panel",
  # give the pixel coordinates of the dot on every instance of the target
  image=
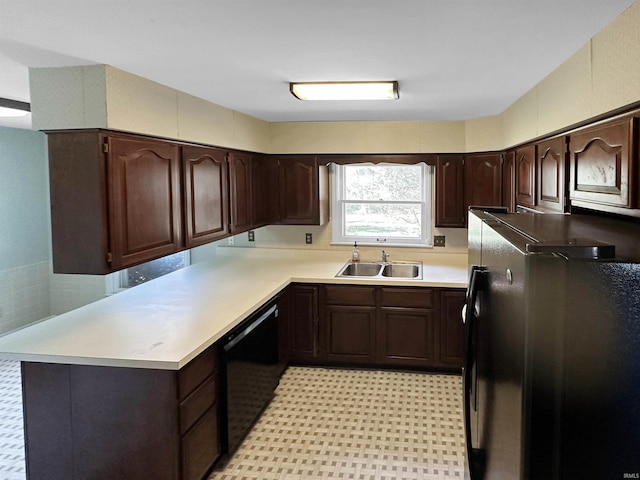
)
(483, 178)
(304, 190)
(205, 194)
(406, 336)
(303, 311)
(351, 333)
(551, 163)
(451, 328)
(266, 191)
(602, 167)
(526, 176)
(144, 199)
(349, 295)
(240, 192)
(509, 181)
(450, 210)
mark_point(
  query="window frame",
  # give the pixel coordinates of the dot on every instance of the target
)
(118, 281)
(337, 209)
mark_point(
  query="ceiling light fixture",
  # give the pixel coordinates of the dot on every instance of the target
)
(345, 90)
(13, 108)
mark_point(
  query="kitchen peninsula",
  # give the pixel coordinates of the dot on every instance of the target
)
(117, 422)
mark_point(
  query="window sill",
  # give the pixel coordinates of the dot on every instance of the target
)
(382, 244)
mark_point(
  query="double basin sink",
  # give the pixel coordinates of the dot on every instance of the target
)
(381, 270)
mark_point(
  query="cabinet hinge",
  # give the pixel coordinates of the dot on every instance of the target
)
(105, 147)
(109, 257)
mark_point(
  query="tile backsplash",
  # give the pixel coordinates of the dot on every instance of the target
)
(32, 292)
(73, 291)
(24, 295)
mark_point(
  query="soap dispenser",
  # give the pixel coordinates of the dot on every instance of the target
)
(355, 256)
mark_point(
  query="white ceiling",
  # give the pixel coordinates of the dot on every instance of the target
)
(453, 59)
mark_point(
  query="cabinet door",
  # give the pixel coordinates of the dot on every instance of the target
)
(350, 334)
(551, 162)
(509, 181)
(406, 336)
(450, 210)
(451, 328)
(526, 176)
(205, 194)
(602, 167)
(144, 199)
(483, 178)
(265, 190)
(303, 319)
(284, 328)
(200, 446)
(240, 192)
(303, 191)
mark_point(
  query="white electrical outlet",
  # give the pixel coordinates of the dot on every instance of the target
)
(231, 241)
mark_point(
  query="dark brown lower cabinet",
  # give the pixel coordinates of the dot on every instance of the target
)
(303, 322)
(91, 422)
(350, 334)
(451, 328)
(384, 326)
(406, 336)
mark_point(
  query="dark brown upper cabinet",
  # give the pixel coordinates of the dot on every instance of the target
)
(240, 192)
(115, 200)
(603, 165)
(483, 179)
(304, 190)
(206, 199)
(145, 211)
(266, 192)
(450, 206)
(526, 176)
(509, 180)
(551, 163)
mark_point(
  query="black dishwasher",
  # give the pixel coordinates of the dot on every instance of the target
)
(250, 374)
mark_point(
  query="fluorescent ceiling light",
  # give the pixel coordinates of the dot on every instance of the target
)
(13, 108)
(345, 90)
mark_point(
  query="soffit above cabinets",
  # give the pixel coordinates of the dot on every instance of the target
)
(454, 60)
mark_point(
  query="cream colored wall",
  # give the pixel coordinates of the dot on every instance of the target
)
(100, 96)
(70, 97)
(599, 77)
(367, 137)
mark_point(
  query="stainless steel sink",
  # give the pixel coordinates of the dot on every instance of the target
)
(382, 270)
(402, 270)
(360, 269)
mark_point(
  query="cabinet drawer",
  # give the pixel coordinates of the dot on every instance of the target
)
(192, 408)
(196, 371)
(407, 297)
(350, 295)
(200, 447)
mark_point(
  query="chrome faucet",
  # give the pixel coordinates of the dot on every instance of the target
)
(385, 256)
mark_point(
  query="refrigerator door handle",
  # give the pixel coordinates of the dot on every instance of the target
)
(469, 380)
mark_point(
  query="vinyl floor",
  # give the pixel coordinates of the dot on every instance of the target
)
(355, 424)
(322, 424)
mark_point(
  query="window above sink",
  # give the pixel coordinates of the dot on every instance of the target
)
(383, 204)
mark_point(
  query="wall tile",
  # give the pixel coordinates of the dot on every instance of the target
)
(24, 295)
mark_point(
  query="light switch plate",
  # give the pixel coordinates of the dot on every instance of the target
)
(438, 240)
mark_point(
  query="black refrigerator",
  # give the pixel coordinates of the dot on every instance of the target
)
(552, 329)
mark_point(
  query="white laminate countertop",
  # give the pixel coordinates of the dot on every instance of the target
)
(165, 323)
